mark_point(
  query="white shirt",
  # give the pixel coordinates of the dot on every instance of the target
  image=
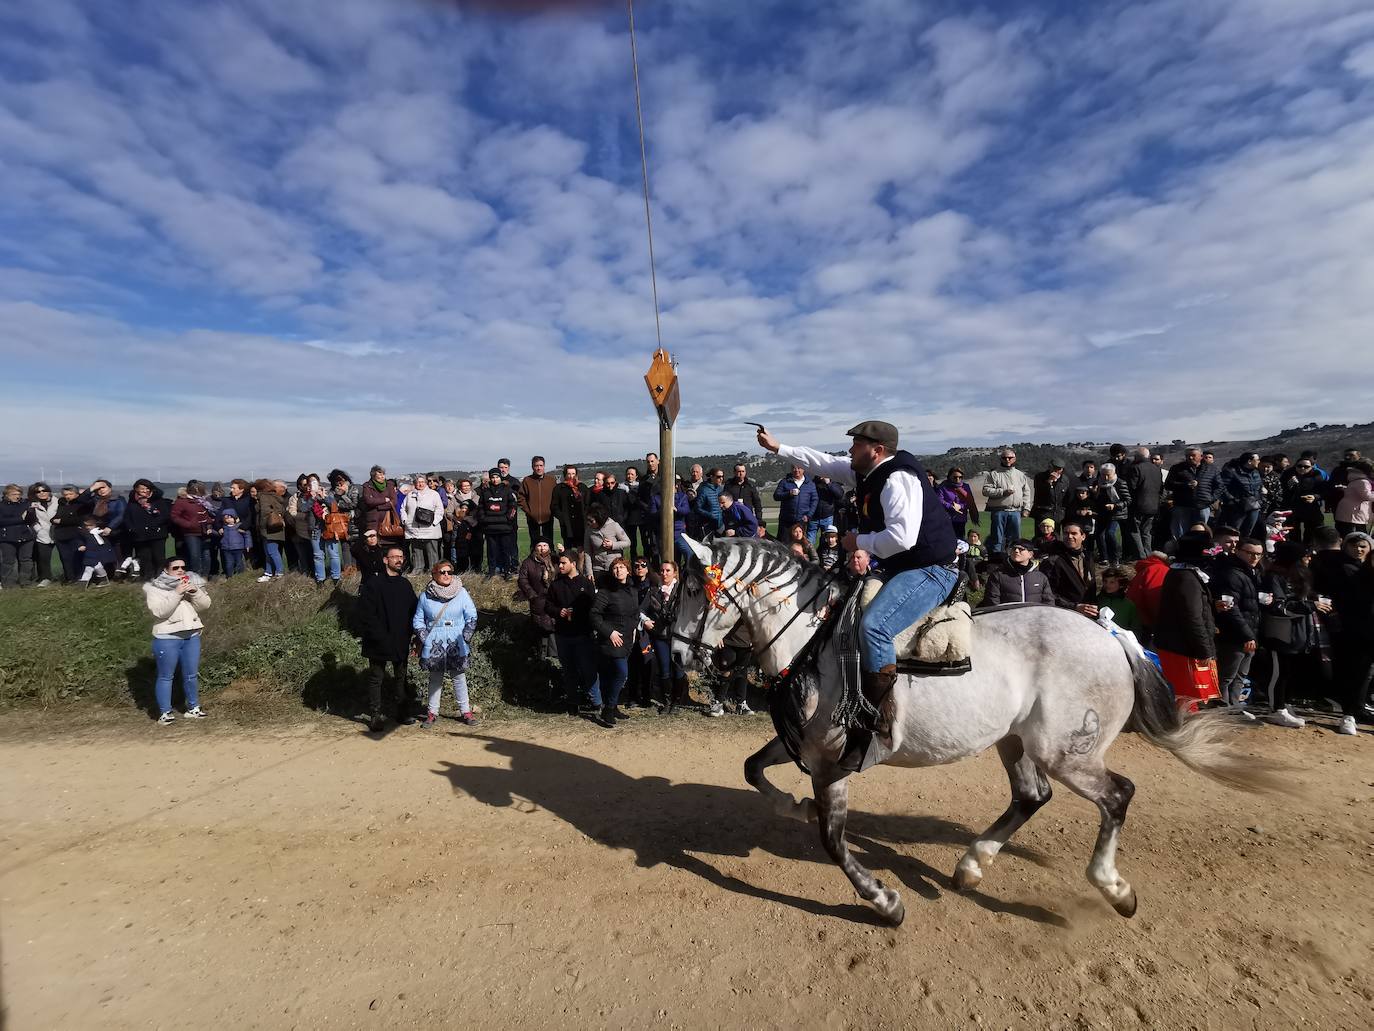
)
(901, 498)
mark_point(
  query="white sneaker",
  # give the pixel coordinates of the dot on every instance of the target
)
(44, 583)
(1284, 718)
(196, 713)
(1347, 726)
(716, 710)
(166, 718)
(265, 578)
(743, 709)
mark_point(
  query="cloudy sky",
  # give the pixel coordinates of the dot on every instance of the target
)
(248, 235)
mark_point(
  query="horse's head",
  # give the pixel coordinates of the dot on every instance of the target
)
(706, 615)
(740, 592)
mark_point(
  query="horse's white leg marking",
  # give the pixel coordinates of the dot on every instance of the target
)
(1029, 791)
(1112, 793)
(832, 799)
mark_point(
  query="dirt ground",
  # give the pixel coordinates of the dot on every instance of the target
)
(545, 874)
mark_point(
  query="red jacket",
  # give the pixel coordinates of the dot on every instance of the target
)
(1146, 586)
(189, 516)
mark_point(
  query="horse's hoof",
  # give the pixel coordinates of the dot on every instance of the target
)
(805, 811)
(889, 906)
(1127, 906)
(967, 877)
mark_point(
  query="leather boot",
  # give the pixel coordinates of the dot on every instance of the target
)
(876, 687)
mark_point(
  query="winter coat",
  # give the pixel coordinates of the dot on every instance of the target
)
(576, 593)
(1191, 487)
(1299, 487)
(428, 500)
(616, 503)
(97, 549)
(1146, 585)
(601, 558)
(1115, 493)
(536, 497)
(1048, 497)
(828, 495)
(636, 504)
(42, 519)
(350, 503)
(682, 505)
(386, 614)
(497, 506)
(236, 538)
(662, 610)
(1008, 490)
(1070, 587)
(67, 519)
(532, 584)
(300, 511)
(1240, 487)
(798, 509)
(109, 511)
(1008, 583)
(450, 635)
(570, 509)
(952, 494)
(368, 558)
(1185, 625)
(1230, 575)
(17, 519)
(242, 506)
(376, 503)
(173, 613)
(269, 505)
(191, 518)
(1356, 503)
(1293, 598)
(148, 525)
(749, 494)
(707, 506)
(616, 607)
(740, 518)
(1145, 481)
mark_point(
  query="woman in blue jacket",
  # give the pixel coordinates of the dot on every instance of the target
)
(682, 507)
(445, 620)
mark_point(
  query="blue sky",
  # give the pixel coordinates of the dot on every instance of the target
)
(255, 236)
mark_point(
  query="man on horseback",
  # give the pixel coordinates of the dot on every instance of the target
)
(902, 524)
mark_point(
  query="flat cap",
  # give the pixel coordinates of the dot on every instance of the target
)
(883, 433)
(1056, 463)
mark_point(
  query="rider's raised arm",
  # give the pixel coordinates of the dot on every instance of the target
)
(818, 463)
(901, 498)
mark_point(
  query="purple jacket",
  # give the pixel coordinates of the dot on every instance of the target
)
(958, 493)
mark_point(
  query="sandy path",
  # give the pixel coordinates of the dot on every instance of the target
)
(539, 875)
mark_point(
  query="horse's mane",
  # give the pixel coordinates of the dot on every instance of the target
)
(762, 556)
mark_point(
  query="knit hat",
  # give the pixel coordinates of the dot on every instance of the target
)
(1358, 535)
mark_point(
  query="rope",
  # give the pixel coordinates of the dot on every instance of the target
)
(644, 169)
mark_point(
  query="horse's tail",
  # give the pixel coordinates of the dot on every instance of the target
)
(1205, 742)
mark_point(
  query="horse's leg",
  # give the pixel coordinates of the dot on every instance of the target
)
(775, 754)
(1111, 793)
(832, 801)
(1029, 791)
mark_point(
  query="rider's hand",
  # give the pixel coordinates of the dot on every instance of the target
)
(767, 441)
(1088, 610)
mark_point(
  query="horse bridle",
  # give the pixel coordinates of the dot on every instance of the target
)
(696, 642)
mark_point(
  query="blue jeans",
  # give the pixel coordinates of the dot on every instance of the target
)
(1005, 528)
(272, 564)
(311, 555)
(1246, 522)
(333, 552)
(196, 554)
(168, 652)
(1108, 545)
(614, 673)
(233, 561)
(904, 600)
(1186, 517)
(817, 527)
(577, 656)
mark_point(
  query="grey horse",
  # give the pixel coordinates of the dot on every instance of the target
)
(1050, 689)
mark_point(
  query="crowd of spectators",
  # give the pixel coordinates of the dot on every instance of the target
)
(1296, 622)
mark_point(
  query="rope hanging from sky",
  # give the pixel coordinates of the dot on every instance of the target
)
(644, 169)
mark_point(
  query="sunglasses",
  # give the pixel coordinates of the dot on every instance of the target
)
(444, 572)
(641, 565)
(176, 569)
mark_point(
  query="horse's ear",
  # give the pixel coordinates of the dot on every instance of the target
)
(701, 551)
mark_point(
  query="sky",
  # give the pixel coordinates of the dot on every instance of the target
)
(247, 236)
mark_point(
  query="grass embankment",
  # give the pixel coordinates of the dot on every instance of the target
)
(282, 644)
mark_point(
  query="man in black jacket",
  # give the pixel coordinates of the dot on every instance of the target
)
(1050, 489)
(1017, 579)
(569, 604)
(386, 610)
(1145, 480)
(498, 504)
(742, 488)
(1235, 585)
(1192, 485)
(1069, 570)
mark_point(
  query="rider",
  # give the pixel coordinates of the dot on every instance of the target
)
(902, 523)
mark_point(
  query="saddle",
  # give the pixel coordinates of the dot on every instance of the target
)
(939, 644)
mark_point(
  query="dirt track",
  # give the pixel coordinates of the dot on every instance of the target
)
(540, 875)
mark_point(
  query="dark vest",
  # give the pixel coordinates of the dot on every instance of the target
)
(934, 544)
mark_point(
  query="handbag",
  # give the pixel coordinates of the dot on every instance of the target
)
(1284, 633)
(335, 524)
(424, 516)
(275, 521)
(390, 526)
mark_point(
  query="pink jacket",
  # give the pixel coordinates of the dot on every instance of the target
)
(1357, 502)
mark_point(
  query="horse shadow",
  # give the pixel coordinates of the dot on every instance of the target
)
(661, 822)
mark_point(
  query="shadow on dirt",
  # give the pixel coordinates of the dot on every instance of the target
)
(675, 824)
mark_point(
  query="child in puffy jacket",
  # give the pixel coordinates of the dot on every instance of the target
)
(234, 544)
(97, 551)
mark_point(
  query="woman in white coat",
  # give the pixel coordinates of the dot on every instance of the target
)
(422, 515)
(176, 598)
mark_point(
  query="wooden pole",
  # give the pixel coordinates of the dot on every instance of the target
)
(667, 482)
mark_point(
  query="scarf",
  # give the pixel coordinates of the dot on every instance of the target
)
(166, 581)
(380, 487)
(440, 593)
(1188, 565)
